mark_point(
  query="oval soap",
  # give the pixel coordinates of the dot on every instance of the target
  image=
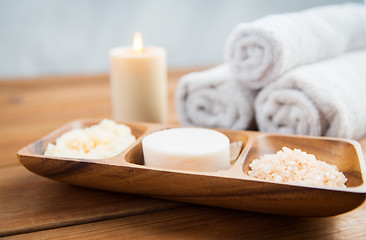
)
(193, 149)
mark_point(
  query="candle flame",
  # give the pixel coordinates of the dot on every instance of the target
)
(137, 42)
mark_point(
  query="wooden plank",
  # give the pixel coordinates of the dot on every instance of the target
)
(32, 203)
(196, 222)
(30, 109)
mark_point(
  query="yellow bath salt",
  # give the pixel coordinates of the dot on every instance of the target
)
(296, 166)
(100, 141)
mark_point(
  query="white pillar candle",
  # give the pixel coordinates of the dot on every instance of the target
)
(193, 149)
(139, 83)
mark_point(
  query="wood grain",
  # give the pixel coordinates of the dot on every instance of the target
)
(196, 222)
(32, 203)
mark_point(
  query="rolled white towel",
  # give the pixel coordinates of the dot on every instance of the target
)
(210, 99)
(261, 51)
(327, 98)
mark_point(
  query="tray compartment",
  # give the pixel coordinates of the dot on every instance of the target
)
(341, 153)
(40, 146)
(135, 154)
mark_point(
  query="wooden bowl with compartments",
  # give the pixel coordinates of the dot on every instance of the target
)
(232, 188)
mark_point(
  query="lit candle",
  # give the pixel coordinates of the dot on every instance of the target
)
(138, 82)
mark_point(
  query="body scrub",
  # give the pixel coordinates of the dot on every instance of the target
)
(193, 149)
(104, 140)
(296, 166)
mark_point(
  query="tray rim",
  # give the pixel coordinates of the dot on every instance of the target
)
(120, 158)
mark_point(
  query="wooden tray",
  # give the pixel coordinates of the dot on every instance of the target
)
(231, 188)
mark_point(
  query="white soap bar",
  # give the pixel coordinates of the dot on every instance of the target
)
(193, 149)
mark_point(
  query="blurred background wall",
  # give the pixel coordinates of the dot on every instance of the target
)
(54, 37)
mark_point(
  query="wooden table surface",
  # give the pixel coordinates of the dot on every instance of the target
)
(33, 207)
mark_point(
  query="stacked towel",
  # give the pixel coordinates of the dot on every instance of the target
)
(261, 51)
(269, 56)
(327, 98)
(209, 99)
